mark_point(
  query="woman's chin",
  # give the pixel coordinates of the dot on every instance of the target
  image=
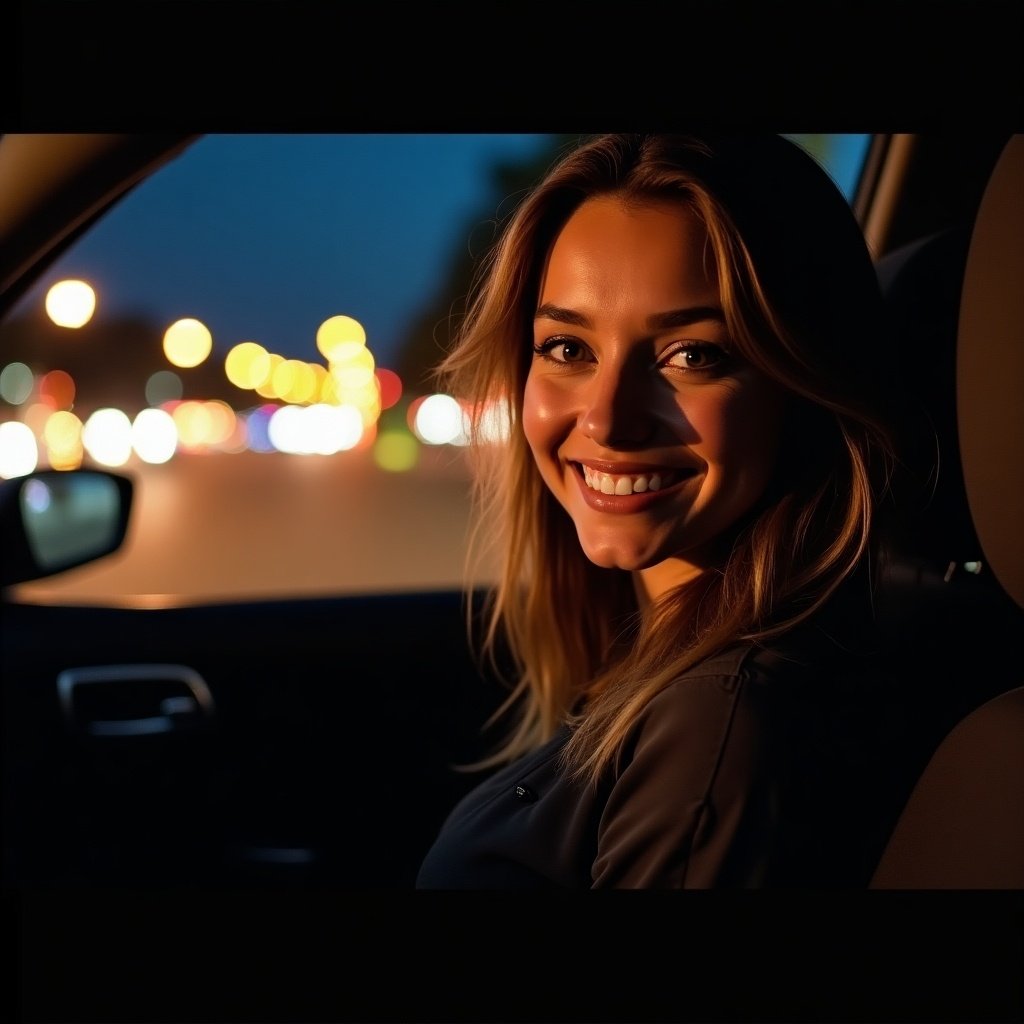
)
(606, 557)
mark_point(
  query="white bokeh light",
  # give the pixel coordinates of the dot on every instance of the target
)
(70, 303)
(107, 437)
(154, 436)
(439, 420)
(319, 429)
(19, 452)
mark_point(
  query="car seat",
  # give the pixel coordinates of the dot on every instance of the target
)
(956, 594)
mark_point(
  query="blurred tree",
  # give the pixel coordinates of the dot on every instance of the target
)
(435, 328)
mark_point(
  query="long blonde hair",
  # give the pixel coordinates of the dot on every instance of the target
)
(802, 304)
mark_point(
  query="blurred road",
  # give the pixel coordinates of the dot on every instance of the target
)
(252, 526)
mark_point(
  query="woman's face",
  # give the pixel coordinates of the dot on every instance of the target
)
(649, 431)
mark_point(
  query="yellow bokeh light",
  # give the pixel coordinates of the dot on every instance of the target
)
(247, 365)
(329, 392)
(283, 377)
(66, 459)
(320, 377)
(267, 389)
(187, 342)
(303, 386)
(194, 423)
(350, 353)
(337, 331)
(396, 451)
(352, 377)
(62, 433)
(70, 303)
(222, 421)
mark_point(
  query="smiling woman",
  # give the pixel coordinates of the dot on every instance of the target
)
(632, 357)
(685, 521)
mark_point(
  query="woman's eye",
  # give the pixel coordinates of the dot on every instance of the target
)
(562, 350)
(697, 357)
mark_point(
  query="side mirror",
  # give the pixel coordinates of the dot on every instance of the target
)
(52, 520)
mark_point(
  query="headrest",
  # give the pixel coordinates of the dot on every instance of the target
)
(921, 283)
(956, 305)
(990, 371)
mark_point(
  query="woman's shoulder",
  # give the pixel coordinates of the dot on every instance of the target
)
(756, 662)
(706, 705)
(806, 664)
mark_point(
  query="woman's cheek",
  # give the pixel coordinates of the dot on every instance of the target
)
(543, 410)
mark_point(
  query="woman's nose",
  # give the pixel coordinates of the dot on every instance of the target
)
(618, 407)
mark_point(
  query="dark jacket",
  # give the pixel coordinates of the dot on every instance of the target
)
(758, 767)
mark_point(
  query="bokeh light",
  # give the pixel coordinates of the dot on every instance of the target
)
(390, 387)
(337, 332)
(187, 342)
(438, 420)
(70, 303)
(107, 436)
(154, 436)
(266, 389)
(36, 415)
(222, 422)
(62, 436)
(59, 387)
(193, 422)
(295, 381)
(355, 372)
(247, 365)
(163, 386)
(257, 428)
(285, 429)
(238, 440)
(396, 451)
(316, 429)
(16, 383)
(19, 452)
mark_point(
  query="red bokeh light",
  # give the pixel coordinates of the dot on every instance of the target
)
(390, 387)
(58, 388)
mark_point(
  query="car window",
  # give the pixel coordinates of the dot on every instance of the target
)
(249, 335)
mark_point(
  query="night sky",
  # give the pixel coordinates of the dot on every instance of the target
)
(263, 237)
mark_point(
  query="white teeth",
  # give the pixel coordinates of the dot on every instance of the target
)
(622, 485)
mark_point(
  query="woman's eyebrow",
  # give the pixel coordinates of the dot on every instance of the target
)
(685, 317)
(660, 321)
(549, 311)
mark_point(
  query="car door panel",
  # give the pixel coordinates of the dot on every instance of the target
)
(323, 746)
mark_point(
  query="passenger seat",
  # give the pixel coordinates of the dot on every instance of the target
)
(957, 300)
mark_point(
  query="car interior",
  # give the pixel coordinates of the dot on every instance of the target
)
(195, 796)
(200, 755)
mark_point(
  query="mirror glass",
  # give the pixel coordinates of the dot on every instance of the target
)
(70, 519)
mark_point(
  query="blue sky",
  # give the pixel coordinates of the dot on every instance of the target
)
(263, 237)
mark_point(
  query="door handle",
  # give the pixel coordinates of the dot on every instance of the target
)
(134, 700)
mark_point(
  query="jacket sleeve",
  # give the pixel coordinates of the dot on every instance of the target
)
(692, 799)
